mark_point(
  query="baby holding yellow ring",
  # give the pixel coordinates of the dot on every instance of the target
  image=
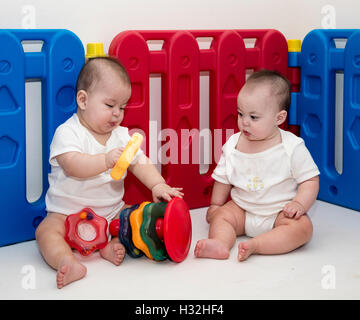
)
(82, 152)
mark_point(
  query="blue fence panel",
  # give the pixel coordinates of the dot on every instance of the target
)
(319, 62)
(57, 65)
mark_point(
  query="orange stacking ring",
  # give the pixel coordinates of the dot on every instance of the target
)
(136, 219)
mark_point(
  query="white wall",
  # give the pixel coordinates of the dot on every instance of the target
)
(101, 20)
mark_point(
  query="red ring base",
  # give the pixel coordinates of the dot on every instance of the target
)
(177, 230)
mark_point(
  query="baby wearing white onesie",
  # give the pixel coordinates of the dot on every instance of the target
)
(68, 195)
(264, 182)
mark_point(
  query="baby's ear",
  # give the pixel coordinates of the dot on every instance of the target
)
(281, 117)
(81, 99)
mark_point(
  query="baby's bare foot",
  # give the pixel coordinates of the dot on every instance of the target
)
(211, 248)
(113, 252)
(69, 270)
(246, 249)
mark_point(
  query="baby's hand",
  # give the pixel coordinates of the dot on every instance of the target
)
(210, 212)
(112, 157)
(162, 191)
(294, 209)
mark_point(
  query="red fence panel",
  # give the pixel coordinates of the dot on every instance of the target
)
(180, 61)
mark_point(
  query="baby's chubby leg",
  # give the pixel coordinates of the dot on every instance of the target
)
(287, 235)
(226, 224)
(56, 252)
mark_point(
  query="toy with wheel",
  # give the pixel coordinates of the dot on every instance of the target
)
(158, 230)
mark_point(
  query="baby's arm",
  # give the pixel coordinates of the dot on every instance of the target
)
(82, 165)
(219, 196)
(304, 199)
(147, 173)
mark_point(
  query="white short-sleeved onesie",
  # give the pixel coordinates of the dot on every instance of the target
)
(68, 195)
(264, 182)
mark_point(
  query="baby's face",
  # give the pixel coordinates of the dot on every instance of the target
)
(258, 112)
(105, 103)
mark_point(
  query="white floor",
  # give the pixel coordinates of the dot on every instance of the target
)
(328, 267)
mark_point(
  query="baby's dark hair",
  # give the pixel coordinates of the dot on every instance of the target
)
(92, 70)
(281, 85)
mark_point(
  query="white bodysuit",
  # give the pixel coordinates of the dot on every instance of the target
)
(68, 195)
(264, 182)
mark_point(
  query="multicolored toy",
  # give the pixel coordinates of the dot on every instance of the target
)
(159, 230)
(85, 231)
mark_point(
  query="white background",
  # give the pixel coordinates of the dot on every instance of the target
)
(100, 21)
(297, 275)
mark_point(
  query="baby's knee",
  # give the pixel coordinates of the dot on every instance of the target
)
(41, 231)
(223, 214)
(49, 226)
(211, 212)
(306, 226)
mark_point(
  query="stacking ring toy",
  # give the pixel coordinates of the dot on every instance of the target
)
(159, 230)
(96, 227)
(126, 156)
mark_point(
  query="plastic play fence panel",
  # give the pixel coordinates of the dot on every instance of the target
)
(320, 60)
(57, 65)
(180, 61)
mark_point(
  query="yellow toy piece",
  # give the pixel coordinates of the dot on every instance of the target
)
(294, 45)
(126, 157)
(83, 215)
(94, 50)
(136, 219)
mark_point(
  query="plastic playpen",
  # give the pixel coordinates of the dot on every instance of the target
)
(312, 72)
